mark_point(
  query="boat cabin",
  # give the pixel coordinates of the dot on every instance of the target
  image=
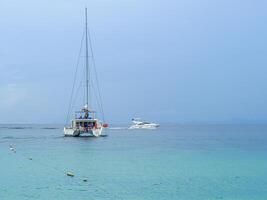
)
(84, 124)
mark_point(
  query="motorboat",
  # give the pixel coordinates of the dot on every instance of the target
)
(139, 124)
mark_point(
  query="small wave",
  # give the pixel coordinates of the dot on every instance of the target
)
(8, 137)
(23, 138)
(49, 128)
(18, 127)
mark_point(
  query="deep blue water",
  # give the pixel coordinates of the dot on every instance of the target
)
(172, 162)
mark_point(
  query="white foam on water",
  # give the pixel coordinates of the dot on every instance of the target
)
(118, 128)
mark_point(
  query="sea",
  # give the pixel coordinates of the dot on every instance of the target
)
(173, 162)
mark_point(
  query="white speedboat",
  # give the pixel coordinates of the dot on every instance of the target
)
(138, 124)
(85, 122)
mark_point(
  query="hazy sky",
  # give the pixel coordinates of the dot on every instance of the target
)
(172, 61)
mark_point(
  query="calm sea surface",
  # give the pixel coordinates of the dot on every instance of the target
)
(173, 162)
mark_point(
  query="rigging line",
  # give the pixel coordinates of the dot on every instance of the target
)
(98, 93)
(97, 82)
(97, 100)
(77, 92)
(96, 77)
(84, 87)
(90, 87)
(75, 76)
(88, 95)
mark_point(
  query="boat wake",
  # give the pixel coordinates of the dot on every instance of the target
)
(118, 128)
(15, 127)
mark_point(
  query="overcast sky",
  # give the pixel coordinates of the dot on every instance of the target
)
(165, 61)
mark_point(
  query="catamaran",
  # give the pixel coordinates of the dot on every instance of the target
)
(85, 121)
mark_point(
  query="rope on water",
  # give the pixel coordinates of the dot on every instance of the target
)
(66, 173)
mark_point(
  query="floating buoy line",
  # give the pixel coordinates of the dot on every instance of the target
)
(66, 173)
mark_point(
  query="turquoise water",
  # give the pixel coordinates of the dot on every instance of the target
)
(173, 162)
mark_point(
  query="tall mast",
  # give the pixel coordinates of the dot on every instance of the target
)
(87, 60)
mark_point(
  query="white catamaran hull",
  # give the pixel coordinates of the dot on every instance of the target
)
(71, 132)
(76, 132)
